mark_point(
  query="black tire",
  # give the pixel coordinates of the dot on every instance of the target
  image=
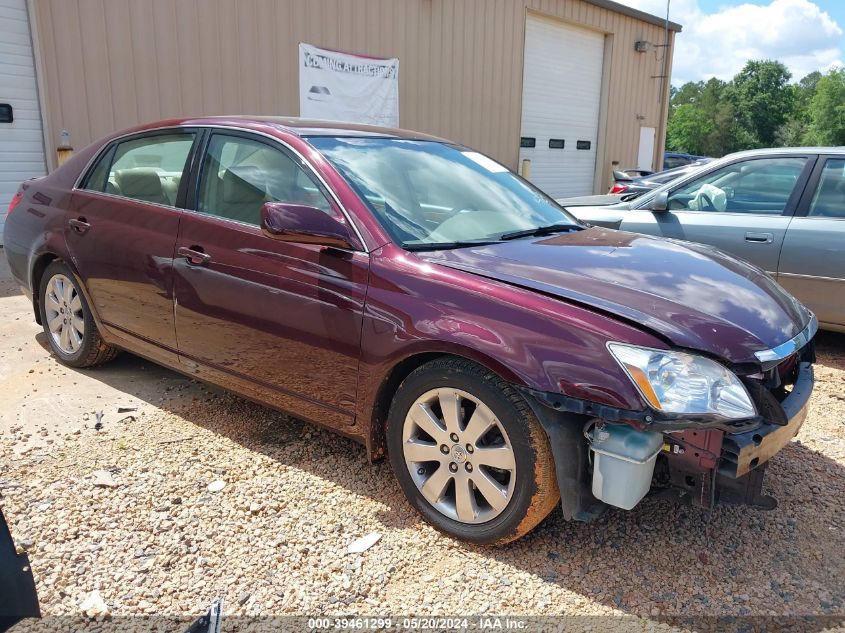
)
(92, 350)
(535, 492)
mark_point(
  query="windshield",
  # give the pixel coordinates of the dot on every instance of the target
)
(432, 193)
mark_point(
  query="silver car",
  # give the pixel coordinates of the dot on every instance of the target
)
(781, 209)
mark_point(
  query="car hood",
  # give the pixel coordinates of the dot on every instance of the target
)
(695, 296)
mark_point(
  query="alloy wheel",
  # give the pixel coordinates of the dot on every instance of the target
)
(65, 318)
(459, 455)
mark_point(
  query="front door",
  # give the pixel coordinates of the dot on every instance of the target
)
(281, 321)
(122, 227)
(743, 208)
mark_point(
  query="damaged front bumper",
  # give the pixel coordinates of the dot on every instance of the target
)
(742, 452)
(702, 463)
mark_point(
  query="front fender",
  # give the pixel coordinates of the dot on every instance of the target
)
(416, 308)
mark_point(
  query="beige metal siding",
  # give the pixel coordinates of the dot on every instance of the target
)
(109, 64)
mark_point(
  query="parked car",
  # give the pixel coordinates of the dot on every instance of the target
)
(417, 296)
(632, 186)
(679, 159)
(781, 209)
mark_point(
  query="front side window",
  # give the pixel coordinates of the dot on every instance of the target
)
(429, 192)
(829, 199)
(148, 169)
(240, 174)
(754, 186)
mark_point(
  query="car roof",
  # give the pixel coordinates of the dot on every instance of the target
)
(785, 150)
(297, 126)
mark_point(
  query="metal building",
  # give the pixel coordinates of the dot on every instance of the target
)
(574, 86)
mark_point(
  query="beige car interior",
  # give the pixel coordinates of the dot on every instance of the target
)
(145, 183)
(150, 169)
(239, 176)
(255, 174)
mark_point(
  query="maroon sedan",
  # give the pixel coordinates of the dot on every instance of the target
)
(420, 298)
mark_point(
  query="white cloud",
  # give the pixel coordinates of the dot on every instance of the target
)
(796, 32)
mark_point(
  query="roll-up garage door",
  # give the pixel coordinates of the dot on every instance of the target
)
(21, 141)
(561, 97)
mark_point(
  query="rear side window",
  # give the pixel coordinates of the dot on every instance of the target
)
(829, 199)
(96, 178)
(148, 169)
(240, 174)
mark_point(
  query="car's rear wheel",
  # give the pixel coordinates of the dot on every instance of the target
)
(68, 324)
(469, 453)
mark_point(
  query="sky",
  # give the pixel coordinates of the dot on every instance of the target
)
(719, 36)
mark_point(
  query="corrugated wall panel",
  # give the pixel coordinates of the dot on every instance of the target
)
(110, 64)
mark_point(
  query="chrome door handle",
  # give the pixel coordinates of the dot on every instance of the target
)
(759, 238)
(79, 225)
(194, 255)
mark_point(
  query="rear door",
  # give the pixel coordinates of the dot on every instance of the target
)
(123, 222)
(743, 208)
(275, 320)
(812, 262)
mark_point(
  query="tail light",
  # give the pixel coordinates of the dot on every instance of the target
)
(16, 199)
(618, 188)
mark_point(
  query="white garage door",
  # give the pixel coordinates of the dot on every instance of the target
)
(21, 142)
(561, 96)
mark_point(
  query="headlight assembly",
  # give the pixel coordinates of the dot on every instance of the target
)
(676, 382)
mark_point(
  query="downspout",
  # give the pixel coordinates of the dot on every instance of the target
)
(663, 94)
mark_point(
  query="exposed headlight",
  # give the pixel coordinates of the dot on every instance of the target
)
(675, 382)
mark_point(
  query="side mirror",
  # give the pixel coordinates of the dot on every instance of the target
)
(660, 202)
(304, 225)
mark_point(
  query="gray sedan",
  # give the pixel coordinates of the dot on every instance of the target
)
(781, 209)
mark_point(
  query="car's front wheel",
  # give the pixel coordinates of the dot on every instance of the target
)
(469, 453)
(67, 320)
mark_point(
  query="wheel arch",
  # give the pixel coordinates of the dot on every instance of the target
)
(399, 371)
(39, 265)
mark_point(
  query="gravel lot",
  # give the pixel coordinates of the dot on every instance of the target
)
(274, 539)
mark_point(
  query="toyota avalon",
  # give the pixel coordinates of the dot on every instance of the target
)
(417, 296)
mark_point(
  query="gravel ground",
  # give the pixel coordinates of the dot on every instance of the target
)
(274, 540)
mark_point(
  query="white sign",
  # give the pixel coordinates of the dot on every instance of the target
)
(344, 87)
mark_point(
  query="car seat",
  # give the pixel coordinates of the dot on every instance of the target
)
(141, 183)
(243, 192)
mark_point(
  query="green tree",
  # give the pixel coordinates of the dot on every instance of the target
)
(762, 99)
(758, 108)
(706, 122)
(794, 131)
(805, 89)
(686, 94)
(688, 129)
(827, 110)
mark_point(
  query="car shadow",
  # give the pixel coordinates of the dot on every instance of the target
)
(662, 561)
(669, 226)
